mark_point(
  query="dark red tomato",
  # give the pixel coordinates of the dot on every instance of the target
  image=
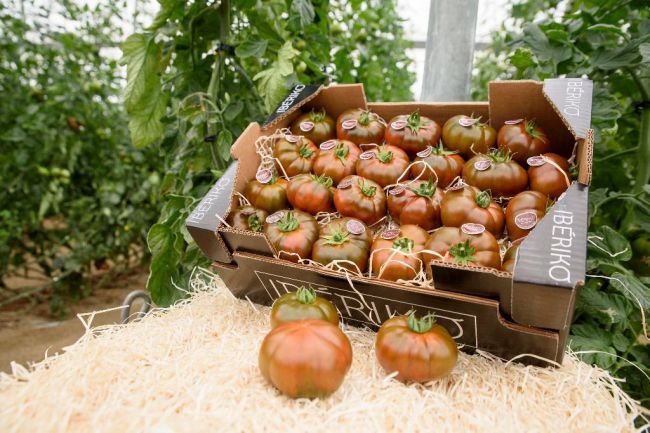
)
(417, 202)
(360, 126)
(438, 164)
(311, 193)
(301, 305)
(413, 133)
(418, 350)
(271, 196)
(305, 358)
(549, 174)
(469, 245)
(360, 198)
(469, 204)
(496, 172)
(524, 212)
(524, 139)
(292, 233)
(336, 159)
(395, 254)
(316, 125)
(510, 257)
(296, 154)
(384, 164)
(346, 240)
(468, 135)
(247, 218)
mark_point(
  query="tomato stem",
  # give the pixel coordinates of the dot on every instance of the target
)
(384, 155)
(500, 155)
(254, 223)
(483, 198)
(414, 121)
(463, 253)
(317, 115)
(425, 189)
(305, 152)
(341, 152)
(403, 244)
(364, 118)
(338, 236)
(368, 191)
(306, 295)
(288, 223)
(441, 151)
(421, 325)
(323, 180)
(531, 129)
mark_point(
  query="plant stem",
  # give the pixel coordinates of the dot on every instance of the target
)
(643, 153)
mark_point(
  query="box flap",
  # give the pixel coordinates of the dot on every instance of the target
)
(571, 99)
(297, 97)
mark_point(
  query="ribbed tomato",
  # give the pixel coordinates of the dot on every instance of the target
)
(247, 218)
(549, 174)
(523, 138)
(438, 164)
(311, 193)
(360, 126)
(510, 256)
(469, 245)
(305, 358)
(292, 233)
(360, 198)
(417, 202)
(316, 125)
(395, 254)
(336, 159)
(383, 164)
(469, 204)
(296, 154)
(412, 132)
(418, 350)
(301, 305)
(270, 196)
(496, 172)
(344, 239)
(524, 212)
(468, 135)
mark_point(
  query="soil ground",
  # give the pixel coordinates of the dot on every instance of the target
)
(25, 338)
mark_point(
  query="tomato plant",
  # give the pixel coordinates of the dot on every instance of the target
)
(345, 240)
(302, 304)
(395, 254)
(384, 164)
(292, 233)
(468, 135)
(311, 193)
(417, 202)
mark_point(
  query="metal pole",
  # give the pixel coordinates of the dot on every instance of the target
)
(450, 50)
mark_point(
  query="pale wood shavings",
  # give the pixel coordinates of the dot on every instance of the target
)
(193, 368)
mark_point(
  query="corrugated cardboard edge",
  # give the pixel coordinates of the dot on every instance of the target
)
(293, 109)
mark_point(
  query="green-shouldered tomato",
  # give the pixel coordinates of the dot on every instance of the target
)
(295, 154)
(468, 135)
(469, 245)
(336, 159)
(346, 240)
(247, 218)
(383, 164)
(549, 174)
(301, 305)
(267, 191)
(468, 204)
(436, 163)
(360, 198)
(292, 233)
(360, 126)
(524, 211)
(523, 138)
(316, 125)
(396, 253)
(416, 202)
(496, 172)
(311, 193)
(412, 132)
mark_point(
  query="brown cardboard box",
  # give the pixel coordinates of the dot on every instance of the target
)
(527, 312)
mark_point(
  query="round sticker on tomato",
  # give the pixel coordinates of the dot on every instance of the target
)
(398, 125)
(274, 217)
(467, 121)
(306, 126)
(345, 183)
(426, 152)
(472, 228)
(513, 122)
(247, 211)
(390, 234)
(457, 185)
(536, 161)
(292, 138)
(396, 190)
(355, 227)
(349, 124)
(526, 220)
(264, 175)
(482, 164)
(368, 154)
(327, 145)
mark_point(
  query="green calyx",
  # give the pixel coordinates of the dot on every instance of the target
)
(425, 189)
(531, 129)
(305, 152)
(463, 253)
(317, 115)
(414, 121)
(368, 191)
(323, 180)
(364, 118)
(384, 155)
(483, 198)
(337, 236)
(441, 151)
(306, 295)
(254, 223)
(341, 152)
(288, 223)
(403, 244)
(500, 155)
(421, 325)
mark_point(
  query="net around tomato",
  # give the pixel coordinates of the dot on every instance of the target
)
(383, 164)
(552, 177)
(524, 139)
(459, 247)
(360, 198)
(418, 350)
(360, 126)
(416, 202)
(396, 255)
(296, 154)
(247, 218)
(471, 205)
(345, 240)
(412, 132)
(316, 125)
(496, 172)
(438, 164)
(305, 358)
(270, 197)
(302, 304)
(311, 193)
(468, 135)
(523, 213)
(336, 159)
(292, 233)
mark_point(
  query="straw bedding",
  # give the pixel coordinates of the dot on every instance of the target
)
(193, 368)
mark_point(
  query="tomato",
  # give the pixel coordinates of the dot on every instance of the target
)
(311, 193)
(292, 233)
(417, 202)
(343, 239)
(438, 164)
(247, 218)
(469, 245)
(412, 132)
(295, 154)
(468, 135)
(496, 172)
(360, 198)
(384, 164)
(395, 254)
(469, 204)
(316, 125)
(336, 159)
(271, 196)
(360, 126)
(511, 256)
(549, 174)
(418, 350)
(524, 212)
(301, 305)
(524, 139)
(305, 358)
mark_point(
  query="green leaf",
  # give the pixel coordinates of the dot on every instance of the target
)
(609, 59)
(522, 59)
(539, 43)
(305, 11)
(608, 308)
(224, 141)
(159, 235)
(601, 27)
(285, 57)
(145, 124)
(233, 110)
(273, 81)
(588, 337)
(605, 110)
(608, 243)
(644, 49)
(163, 275)
(251, 48)
(632, 288)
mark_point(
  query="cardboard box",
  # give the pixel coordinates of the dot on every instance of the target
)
(509, 315)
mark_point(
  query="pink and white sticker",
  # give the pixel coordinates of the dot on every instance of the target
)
(536, 161)
(426, 152)
(247, 211)
(526, 220)
(513, 122)
(345, 183)
(396, 190)
(482, 164)
(274, 217)
(456, 186)
(264, 175)
(368, 154)
(327, 145)
(355, 227)
(292, 138)
(467, 121)
(398, 125)
(306, 126)
(472, 228)
(390, 234)
(349, 124)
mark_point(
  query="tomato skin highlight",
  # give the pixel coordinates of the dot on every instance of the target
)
(547, 178)
(305, 358)
(468, 140)
(445, 167)
(335, 242)
(527, 201)
(385, 167)
(242, 217)
(416, 357)
(302, 304)
(411, 207)
(323, 129)
(462, 206)
(310, 193)
(446, 239)
(389, 263)
(412, 139)
(295, 158)
(338, 162)
(524, 139)
(294, 234)
(510, 257)
(269, 197)
(369, 127)
(363, 200)
(504, 177)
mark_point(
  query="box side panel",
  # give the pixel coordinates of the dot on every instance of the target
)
(440, 112)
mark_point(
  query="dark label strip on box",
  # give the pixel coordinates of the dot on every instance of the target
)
(299, 93)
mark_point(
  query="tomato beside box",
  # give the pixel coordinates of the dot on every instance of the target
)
(527, 312)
